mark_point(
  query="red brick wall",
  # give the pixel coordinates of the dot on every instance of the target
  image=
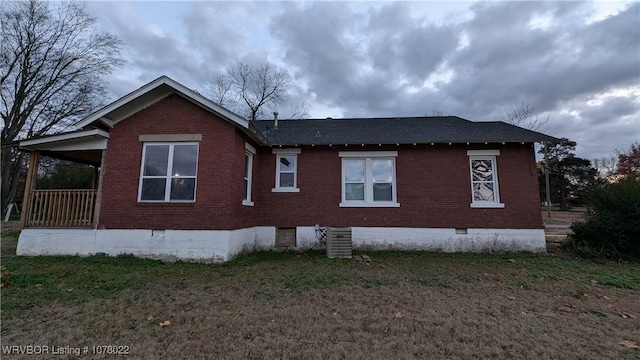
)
(433, 189)
(219, 188)
(433, 185)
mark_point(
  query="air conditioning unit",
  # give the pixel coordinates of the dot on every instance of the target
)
(339, 244)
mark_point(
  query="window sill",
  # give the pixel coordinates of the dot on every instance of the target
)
(363, 204)
(487, 205)
(247, 203)
(289, 190)
(166, 203)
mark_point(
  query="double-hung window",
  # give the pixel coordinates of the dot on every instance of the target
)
(369, 178)
(484, 178)
(250, 151)
(286, 170)
(168, 172)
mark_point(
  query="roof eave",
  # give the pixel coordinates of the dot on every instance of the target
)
(426, 142)
(93, 139)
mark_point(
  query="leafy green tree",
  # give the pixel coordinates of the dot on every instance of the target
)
(60, 174)
(612, 224)
(569, 175)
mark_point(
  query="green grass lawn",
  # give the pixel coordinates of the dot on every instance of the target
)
(288, 305)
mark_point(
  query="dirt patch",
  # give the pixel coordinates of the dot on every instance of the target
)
(398, 305)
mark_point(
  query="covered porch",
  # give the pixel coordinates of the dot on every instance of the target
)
(64, 208)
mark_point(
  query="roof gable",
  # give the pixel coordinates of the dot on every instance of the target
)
(150, 94)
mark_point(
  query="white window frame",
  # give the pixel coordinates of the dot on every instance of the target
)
(368, 157)
(491, 155)
(169, 176)
(249, 153)
(280, 153)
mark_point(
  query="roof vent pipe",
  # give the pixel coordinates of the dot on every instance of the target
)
(275, 119)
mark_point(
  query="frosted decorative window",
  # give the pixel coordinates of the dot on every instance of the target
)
(484, 180)
(168, 172)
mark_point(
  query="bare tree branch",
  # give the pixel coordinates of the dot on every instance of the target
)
(606, 166)
(250, 91)
(220, 90)
(300, 111)
(51, 68)
(524, 116)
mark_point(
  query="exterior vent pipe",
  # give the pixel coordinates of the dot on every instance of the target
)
(275, 119)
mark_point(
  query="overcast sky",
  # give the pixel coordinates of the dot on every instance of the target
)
(578, 63)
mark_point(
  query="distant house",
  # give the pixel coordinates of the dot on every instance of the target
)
(183, 177)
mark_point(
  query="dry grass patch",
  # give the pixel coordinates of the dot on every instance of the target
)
(299, 306)
(563, 217)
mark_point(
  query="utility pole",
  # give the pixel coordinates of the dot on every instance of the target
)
(546, 177)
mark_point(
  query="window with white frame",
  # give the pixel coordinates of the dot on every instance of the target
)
(250, 151)
(484, 178)
(369, 178)
(168, 172)
(286, 170)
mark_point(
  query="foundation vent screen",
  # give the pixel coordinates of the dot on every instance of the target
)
(339, 244)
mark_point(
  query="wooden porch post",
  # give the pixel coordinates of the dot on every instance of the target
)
(96, 214)
(94, 178)
(29, 185)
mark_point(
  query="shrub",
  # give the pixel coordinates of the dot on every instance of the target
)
(612, 225)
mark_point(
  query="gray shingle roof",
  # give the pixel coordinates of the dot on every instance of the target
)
(406, 130)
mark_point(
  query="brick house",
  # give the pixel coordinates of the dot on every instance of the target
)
(183, 177)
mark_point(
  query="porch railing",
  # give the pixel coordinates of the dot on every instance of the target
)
(61, 208)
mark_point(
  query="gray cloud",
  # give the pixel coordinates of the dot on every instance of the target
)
(507, 62)
(544, 54)
(395, 59)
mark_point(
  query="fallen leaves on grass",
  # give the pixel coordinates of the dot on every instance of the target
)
(69, 290)
(629, 344)
(6, 284)
(164, 323)
(399, 315)
(566, 308)
(4, 272)
(626, 316)
(150, 317)
(512, 261)
(511, 297)
(334, 312)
